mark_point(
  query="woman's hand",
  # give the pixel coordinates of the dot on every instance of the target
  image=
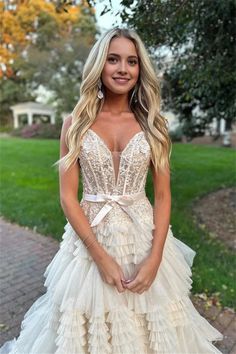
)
(111, 272)
(145, 275)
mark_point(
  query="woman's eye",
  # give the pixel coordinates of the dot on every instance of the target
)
(112, 60)
(133, 62)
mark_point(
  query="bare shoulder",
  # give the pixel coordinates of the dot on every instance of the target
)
(67, 122)
(65, 126)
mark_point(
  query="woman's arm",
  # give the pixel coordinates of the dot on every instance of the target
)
(109, 269)
(161, 210)
(69, 182)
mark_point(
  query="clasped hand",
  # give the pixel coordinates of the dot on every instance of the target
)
(111, 273)
(145, 274)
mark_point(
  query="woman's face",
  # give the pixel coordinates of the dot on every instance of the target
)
(121, 70)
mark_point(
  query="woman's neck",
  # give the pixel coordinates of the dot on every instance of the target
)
(115, 104)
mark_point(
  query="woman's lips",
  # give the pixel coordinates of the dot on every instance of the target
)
(121, 81)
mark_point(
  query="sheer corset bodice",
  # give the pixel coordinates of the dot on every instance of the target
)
(114, 172)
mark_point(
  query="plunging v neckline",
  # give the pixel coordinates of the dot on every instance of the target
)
(116, 180)
(126, 146)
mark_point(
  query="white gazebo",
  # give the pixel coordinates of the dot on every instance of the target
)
(30, 109)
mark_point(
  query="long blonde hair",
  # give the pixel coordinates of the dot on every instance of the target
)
(146, 107)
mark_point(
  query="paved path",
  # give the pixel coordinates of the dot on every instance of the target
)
(24, 257)
(207, 140)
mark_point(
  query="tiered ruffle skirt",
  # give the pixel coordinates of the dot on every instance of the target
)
(81, 314)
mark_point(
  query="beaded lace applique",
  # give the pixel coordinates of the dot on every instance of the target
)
(103, 173)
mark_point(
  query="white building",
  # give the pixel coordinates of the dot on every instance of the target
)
(32, 112)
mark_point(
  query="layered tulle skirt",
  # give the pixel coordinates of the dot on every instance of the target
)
(81, 314)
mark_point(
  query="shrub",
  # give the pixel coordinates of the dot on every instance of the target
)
(38, 130)
(5, 128)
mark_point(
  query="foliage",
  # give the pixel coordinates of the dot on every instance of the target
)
(43, 46)
(176, 134)
(200, 35)
(13, 90)
(27, 21)
(63, 62)
(5, 128)
(200, 67)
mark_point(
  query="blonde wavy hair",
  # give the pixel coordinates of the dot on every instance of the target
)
(146, 107)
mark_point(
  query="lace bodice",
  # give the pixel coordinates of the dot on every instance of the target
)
(104, 171)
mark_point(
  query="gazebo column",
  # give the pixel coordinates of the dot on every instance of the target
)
(222, 126)
(15, 120)
(52, 118)
(30, 117)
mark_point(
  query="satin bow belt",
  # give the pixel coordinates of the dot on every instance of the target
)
(122, 200)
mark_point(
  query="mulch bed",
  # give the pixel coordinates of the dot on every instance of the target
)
(217, 213)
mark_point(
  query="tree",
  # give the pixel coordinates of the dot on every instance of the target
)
(41, 42)
(200, 35)
(60, 60)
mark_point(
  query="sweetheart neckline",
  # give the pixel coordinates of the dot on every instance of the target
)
(126, 146)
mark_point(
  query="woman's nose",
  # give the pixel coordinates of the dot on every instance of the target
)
(122, 67)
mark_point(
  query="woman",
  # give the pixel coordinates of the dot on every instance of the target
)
(120, 282)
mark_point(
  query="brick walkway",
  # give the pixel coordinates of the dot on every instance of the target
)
(24, 257)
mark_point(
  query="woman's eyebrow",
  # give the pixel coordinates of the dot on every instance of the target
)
(117, 55)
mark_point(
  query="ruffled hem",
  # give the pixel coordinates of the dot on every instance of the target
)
(174, 329)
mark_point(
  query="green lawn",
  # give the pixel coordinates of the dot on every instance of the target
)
(30, 196)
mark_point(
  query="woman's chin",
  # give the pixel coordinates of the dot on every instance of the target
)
(118, 90)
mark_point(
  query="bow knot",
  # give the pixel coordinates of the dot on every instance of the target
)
(122, 200)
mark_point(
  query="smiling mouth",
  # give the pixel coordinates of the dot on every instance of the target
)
(121, 80)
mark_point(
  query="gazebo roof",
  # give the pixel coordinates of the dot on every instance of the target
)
(32, 105)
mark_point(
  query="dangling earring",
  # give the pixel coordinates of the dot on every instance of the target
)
(100, 93)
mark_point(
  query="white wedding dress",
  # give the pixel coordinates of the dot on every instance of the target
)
(80, 313)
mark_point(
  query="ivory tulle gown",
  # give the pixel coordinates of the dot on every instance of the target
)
(80, 313)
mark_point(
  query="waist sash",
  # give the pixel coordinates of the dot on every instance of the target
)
(123, 201)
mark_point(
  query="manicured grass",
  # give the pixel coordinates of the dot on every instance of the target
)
(30, 196)
(29, 185)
